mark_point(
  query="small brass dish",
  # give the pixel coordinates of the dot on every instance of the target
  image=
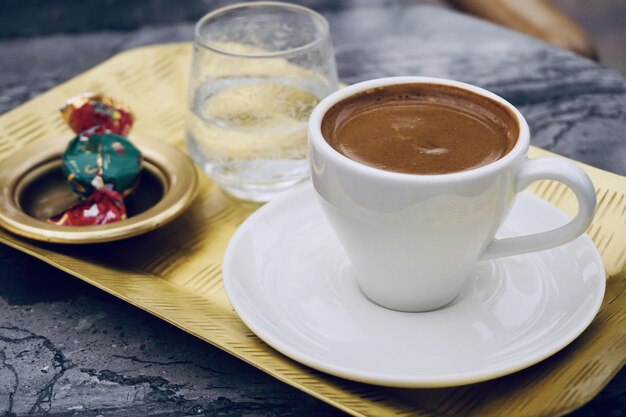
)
(33, 189)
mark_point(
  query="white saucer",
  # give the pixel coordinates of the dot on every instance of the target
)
(290, 282)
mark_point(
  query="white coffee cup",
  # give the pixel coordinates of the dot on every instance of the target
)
(413, 240)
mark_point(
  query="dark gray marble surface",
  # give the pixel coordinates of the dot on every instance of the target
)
(69, 349)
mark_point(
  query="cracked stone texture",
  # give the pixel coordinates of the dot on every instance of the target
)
(68, 349)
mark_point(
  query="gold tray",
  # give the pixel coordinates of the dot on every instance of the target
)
(174, 272)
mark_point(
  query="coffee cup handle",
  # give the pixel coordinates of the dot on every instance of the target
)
(549, 168)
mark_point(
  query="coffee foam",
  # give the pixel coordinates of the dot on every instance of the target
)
(421, 129)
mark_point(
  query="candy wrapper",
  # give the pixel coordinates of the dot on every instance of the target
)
(94, 161)
(101, 207)
(98, 111)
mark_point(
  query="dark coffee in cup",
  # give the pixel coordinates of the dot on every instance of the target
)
(420, 129)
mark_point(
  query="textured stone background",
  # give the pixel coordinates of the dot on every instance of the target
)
(69, 349)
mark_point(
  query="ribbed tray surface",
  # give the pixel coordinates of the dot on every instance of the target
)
(175, 272)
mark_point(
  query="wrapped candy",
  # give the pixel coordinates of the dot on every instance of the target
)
(98, 111)
(100, 163)
(101, 207)
(93, 161)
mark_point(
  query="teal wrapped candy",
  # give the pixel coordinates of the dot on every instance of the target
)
(94, 161)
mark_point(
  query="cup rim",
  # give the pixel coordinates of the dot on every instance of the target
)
(316, 139)
(324, 33)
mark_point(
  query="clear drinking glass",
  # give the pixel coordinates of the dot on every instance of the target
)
(258, 71)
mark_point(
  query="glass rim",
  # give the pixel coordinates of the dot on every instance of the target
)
(199, 40)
